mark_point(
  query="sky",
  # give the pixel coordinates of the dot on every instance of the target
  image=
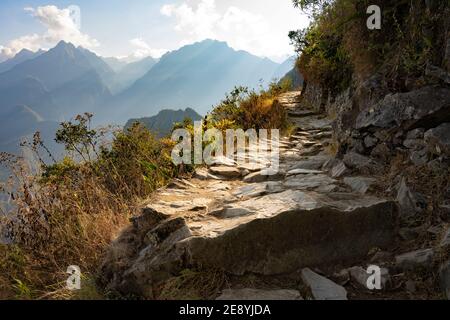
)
(135, 29)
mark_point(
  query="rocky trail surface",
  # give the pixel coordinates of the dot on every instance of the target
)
(309, 231)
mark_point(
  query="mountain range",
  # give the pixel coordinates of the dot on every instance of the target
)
(162, 124)
(40, 89)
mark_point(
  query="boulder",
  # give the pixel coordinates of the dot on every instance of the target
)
(438, 139)
(423, 107)
(323, 288)
(259, 295)
(259, 235)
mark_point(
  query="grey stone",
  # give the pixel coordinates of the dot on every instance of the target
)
(326, 188)
(419, 158)
(439, 139)
(381, 256)
(239, 239)
(361, 163)
(381, 152)
(412, 260)
(437, 73)
(414, 144)
(338, 170)
(312, 163)
(415, 134)
(203, 174)
(370, 142)
(308, 182)
(259, 295)
(231, 212)
(417, 108)
(303, 171)
(264, 175)
(222, 161)
(323, 288)
(359, 184)
(228, 172)
(411, 203)
(252, 167)
(252, 190)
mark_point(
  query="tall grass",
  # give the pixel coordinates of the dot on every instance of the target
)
(249, 109)
(70, 212)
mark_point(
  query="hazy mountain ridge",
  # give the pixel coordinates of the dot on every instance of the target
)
(64, 81)
(163, 122)
(20, 57)
(196, 76)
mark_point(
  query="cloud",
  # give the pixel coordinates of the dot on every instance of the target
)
(60, 24)
(241, 29)
(143, 49)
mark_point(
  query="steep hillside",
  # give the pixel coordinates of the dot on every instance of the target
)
(20, 57)
(127, 74)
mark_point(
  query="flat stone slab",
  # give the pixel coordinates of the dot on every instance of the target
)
(303, 171)
(359, 184)
(308, 182)
(323, 288)
(259, 295)
(229, 172)
(311, 163)
(264, 175)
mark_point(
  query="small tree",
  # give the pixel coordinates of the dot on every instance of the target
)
(78, 137)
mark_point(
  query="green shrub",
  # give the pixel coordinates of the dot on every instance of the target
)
(338, 48)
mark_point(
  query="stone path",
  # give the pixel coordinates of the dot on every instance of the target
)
(238, 219)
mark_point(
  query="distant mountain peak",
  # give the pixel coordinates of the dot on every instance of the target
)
(24, 52)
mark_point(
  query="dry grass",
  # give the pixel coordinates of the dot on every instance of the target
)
(193, 285)
(69, 214)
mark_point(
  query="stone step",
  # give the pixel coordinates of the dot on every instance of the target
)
(270, 235)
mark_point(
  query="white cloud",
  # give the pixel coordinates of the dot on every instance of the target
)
(241, 29)
(143, 49)
(60, 25)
